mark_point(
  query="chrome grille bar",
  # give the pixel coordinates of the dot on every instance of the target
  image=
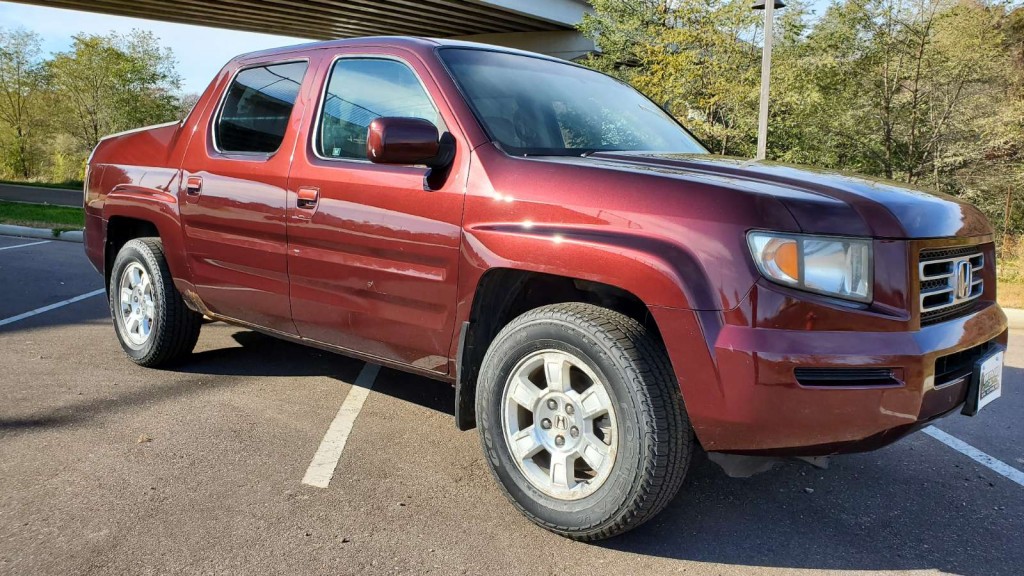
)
(940, 281)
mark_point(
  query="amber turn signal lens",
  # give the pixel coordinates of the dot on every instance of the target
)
(783, 253)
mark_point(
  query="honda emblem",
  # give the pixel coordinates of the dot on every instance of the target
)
(964, 279)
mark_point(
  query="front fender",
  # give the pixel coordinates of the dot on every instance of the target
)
(657, 272)
(661, 274)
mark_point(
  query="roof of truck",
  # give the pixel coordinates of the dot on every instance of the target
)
(409, 42)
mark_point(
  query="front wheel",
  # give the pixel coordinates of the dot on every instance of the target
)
(152, 322)
(582, 421)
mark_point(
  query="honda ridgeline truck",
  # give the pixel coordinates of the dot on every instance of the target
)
(605, 295)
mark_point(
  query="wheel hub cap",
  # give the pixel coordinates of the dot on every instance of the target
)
(137, 309)
(559, 423)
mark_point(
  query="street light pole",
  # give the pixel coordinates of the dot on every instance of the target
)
(766, 72)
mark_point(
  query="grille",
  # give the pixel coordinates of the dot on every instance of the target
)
(951, 282)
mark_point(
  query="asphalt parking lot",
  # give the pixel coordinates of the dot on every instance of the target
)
(108, 468)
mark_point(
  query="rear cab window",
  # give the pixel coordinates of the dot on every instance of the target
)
(257, 105)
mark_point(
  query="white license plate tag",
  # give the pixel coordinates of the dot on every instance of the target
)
(990, 379)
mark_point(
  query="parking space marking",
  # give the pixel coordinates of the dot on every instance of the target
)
(994, 464)
(321, 469)
(37, 311)
(25, 245)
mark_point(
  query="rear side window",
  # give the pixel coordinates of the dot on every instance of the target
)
(361, 90)
(257, 107)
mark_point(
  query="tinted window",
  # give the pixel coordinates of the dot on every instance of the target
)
(537, 106)
(257, 106)
(361, 90)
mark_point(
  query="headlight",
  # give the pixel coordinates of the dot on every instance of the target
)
(839, 267)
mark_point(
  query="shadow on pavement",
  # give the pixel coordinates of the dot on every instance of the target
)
(262, 355)
(92, 311)
(890, 510)
(76, 413)
(258, 356)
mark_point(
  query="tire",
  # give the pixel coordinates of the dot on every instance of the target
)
(645, 430)
(152, 300)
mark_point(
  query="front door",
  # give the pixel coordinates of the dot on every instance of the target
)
(233, 198)
(372, 255)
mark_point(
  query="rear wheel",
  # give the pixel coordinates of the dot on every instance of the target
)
(151, 320)
(582, 420)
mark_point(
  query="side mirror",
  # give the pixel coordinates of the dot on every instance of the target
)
(394, 140)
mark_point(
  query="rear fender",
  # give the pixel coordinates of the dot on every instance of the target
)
(157, 205)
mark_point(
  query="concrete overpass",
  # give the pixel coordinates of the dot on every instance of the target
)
(538, 25)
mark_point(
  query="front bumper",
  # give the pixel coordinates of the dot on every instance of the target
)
(745, 398)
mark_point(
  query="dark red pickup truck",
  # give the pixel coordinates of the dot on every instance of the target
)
(604, 295)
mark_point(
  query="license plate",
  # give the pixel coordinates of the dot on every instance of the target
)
(990, 379)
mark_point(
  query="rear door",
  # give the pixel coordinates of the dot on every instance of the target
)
(233, 199)
(373, 259)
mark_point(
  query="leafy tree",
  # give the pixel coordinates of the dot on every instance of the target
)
(108, 84)
(21, 89)
(187, 102)
(697, 58)
(907, 80)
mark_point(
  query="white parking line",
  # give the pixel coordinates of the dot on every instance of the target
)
(996, 465)
(31, 313)
(25, 245)
(321, 469)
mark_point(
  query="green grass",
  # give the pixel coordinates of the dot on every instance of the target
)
(70, 185)
(59, 218)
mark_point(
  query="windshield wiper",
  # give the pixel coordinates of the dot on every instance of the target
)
(586, 153)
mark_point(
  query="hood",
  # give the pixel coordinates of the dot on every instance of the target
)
(822, 202)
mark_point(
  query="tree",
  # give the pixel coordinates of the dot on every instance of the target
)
(697, 58)
(21, 89)
(108, 84)
(187, 102)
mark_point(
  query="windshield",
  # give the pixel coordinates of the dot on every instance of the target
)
(534, 106)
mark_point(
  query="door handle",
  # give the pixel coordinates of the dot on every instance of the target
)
(308, 196)
(194, 185)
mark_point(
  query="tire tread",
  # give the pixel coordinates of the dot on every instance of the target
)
(178, 325)
(670, 445)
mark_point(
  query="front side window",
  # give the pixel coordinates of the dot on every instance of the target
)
(256, 108)
(361, 90)
(536, 106)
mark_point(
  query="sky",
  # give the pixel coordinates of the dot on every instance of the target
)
(200, 51)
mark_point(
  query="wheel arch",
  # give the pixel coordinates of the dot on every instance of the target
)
(501, 295)
(629, 271)
(133, 212)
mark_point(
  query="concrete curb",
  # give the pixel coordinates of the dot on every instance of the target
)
(1014, 317)
(42, 233)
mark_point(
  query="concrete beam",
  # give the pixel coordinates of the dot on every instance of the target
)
(564, 44)
(565, 12)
